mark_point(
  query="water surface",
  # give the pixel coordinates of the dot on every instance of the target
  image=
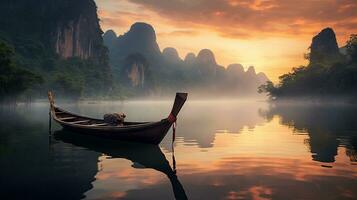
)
(223, 150)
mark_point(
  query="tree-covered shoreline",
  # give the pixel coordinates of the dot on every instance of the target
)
(325, 77)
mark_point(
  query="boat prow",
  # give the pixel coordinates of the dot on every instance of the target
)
(144, 132)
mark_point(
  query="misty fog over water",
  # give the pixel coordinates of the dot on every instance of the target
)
(223, 150)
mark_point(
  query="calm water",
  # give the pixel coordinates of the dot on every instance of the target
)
(223, 150)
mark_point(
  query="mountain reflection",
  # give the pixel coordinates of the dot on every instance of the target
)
(328, 127)
(205, 119)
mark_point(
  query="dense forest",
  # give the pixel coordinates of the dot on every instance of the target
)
(331, 72)
(14, 80)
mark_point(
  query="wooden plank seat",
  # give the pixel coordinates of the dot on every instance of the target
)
(79, 122)
(67, 118)
(103, 124)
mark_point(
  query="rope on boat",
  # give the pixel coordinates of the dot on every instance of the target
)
(173, 162)
(172, 119)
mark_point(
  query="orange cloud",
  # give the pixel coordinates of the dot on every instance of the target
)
(119, 18)
(258, 17)
(179, 33)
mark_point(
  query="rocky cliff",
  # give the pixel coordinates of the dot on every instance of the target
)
(47, 35)
(138, 43)
(79, 36)
(70, 28)
(140, 38)
(324, 48)
(135, 72)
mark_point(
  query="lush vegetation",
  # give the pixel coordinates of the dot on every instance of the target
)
(69, 78)
(319, 79)
(14, 80)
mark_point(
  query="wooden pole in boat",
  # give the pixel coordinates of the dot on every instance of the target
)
(50, 99)
(173, 162)
(173, 150)
(173, 146)
(50, 122)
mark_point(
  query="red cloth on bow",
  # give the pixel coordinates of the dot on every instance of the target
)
(172, 119)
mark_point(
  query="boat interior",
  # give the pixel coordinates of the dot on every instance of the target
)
(75, 119)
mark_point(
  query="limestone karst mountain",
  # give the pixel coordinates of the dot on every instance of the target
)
(244, 81)
(109, 39)
(133, 55)
(190, 58)
(262, 78)
(170, 54)
(235, 75)
(235, 69)
(140, 39)
(206, 64)
(135, 72)
(70, 28)
(60, 40)
(324, 48)
(251, 71)
(138, 62)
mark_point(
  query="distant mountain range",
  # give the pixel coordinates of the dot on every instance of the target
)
(138, 63)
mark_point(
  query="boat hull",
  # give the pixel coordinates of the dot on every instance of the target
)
(151, 133)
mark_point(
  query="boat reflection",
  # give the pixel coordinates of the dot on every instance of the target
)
(142, 155)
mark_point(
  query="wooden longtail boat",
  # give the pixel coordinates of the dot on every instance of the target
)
(144, 132)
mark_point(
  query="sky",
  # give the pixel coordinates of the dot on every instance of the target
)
(271, 35)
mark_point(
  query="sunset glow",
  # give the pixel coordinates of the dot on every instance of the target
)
(271, 35)
(178, 99)
(233, 155)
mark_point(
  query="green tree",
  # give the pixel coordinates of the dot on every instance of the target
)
(13, 79)
(67, 86)
(268, 88)
(352, 48)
